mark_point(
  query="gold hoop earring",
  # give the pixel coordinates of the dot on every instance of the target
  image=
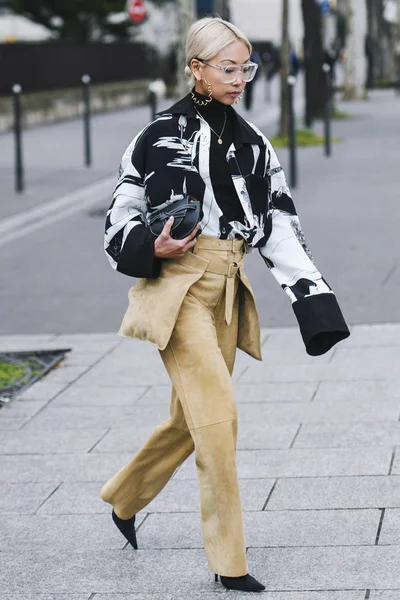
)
(239, 98)
(209, 90)
(203, 102)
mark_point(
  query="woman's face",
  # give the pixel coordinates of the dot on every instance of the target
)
(226, 93)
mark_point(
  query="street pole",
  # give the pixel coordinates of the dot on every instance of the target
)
(397, 52)
(267, 82)
(327, 108)
(284, 116)
(185, 12)
(19, 168)
(291, 82)
(85, 79)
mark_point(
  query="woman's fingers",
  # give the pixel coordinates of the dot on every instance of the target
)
(190, 244)
(166, 232)
(168, 247)
(192, 235)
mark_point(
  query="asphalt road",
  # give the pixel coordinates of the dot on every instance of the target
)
(57, 279)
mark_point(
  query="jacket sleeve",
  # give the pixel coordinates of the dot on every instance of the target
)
(288, 257)
(129, 245)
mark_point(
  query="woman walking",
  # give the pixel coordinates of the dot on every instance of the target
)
(194, 301)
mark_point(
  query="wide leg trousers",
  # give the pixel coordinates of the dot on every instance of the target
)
(199, 359)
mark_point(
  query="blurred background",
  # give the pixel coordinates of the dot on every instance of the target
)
(79, 79)
(318, 439)
(46, 46)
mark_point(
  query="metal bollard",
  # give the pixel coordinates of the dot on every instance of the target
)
(153, 104)
(327, 109)
(291, 81)
(87, 142)
(397, 84)
(19, 167)
(267, 96)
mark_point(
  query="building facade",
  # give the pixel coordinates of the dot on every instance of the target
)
(261, 20)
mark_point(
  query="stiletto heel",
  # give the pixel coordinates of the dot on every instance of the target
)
(246, 583)
(127, 528)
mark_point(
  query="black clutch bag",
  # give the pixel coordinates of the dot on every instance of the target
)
(186, 213)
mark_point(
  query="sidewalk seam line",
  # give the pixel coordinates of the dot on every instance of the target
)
(295, 436)
(137, 529)
(332, 356)
(99, 440)
(237, 380)
(270, 494)
(316, 391)
(392, 461)
(146, 390)
(48, 497)
(378, 533)
(390, 273)
(197, 512)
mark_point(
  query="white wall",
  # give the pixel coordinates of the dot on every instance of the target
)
(261, 20)
(14, 28)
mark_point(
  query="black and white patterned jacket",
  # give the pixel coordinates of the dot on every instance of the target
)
(169, 159)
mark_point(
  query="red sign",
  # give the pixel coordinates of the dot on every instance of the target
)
(136, 10)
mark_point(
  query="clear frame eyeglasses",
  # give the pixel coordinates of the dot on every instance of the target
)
(230, 73)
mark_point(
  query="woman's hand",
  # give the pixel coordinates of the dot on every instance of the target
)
(166, 246)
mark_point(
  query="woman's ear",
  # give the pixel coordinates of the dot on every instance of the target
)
(195, 67)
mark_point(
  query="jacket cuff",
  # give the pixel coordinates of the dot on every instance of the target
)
(321, 322)
(137, 255)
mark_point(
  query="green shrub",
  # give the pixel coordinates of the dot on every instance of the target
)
(304, 137)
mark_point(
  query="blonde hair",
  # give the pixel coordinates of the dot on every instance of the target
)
(207, 37)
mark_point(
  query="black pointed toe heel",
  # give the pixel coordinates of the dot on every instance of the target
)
(127, 528)
(246, 583)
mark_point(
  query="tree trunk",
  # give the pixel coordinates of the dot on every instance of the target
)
(354, 67)
(284, 119)
(313, 61)
(221, 7)
(371, 43)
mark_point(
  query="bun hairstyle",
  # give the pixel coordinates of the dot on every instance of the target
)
(207, 37)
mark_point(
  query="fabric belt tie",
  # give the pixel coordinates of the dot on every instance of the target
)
(221, 266)
(230, 270)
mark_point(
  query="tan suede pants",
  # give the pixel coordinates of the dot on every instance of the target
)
(199, 359)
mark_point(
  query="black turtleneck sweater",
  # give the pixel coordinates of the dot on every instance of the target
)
(224, 190)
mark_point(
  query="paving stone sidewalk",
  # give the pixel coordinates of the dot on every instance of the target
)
(317, 459)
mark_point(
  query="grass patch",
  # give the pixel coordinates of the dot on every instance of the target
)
(10, 373)
(339, 115)
(18, 370)
(304, 137)
(336, 115)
